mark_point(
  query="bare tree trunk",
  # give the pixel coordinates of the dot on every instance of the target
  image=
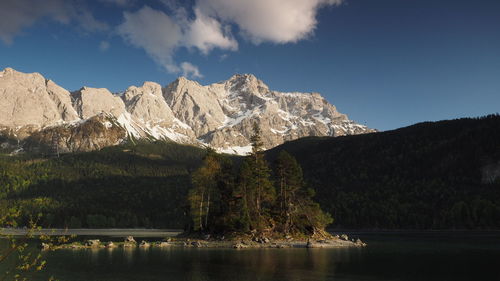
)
(258, 201)
(208, 209)
(245, 199)
(201, 210)
(282, 191)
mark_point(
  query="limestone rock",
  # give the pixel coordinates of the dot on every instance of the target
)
(162, 244)
(95, 133)
(27, 99)
(152, 116)
(92, 243)
(221, 115)
(129, 239)
(89, 102)
(62, 100)
(147, 104)
(194, 105)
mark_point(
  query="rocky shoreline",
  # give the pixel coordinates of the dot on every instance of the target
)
(341, 241)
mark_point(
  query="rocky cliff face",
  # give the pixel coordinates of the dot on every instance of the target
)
(94, 133)
(220, 115)
(29, 99)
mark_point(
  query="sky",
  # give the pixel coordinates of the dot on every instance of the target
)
(384, 63)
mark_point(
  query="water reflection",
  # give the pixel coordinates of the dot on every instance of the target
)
(386, 258)
(206, 264)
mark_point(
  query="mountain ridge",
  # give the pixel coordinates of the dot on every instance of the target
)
(219, 115)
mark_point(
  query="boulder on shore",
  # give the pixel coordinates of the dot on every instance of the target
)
(360, 243)
(130, 239)
(92, 243)
(162, 244)
(239, 246)
(196, 244)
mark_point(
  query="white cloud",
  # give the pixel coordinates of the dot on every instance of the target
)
(206, 33)
(189, 70)
(104, 46)
(16, 15)
(160, 35)
(278, 21)
(154, 31)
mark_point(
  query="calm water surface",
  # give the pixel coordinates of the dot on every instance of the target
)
(388, 256)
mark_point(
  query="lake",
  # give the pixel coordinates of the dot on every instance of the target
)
(440, 256)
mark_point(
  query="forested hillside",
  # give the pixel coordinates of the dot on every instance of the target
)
(125, 186)
(441, 175)
(438, 175)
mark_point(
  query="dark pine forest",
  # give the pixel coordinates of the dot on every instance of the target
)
(433, 175)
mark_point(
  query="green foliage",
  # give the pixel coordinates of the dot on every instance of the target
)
(74, 222)
(255, 186)
(298, 213)
(212, 199)
(18, 260)
(141, 185)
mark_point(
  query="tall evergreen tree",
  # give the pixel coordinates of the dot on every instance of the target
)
(225, 211)
(289, 182)
(297, 211)
(257, 189)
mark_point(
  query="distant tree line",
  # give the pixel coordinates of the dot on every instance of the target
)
(433, 175)
(142, 185)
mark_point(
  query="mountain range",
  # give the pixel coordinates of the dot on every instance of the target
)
(36, 113)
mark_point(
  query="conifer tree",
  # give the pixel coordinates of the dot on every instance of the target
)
(225, 210)
(256, 187)
(289, 182)
(297, 211)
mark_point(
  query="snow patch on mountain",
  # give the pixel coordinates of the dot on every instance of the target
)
(220, 115)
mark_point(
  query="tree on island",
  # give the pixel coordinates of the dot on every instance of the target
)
(255, 187)
(212, 200)
(249, 201)
(298, 213)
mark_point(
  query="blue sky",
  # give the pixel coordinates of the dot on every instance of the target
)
(385, 63)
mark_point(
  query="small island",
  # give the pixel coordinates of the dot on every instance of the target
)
(249, 205)
(337, 241)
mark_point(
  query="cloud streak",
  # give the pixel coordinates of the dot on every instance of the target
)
(16, 15)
